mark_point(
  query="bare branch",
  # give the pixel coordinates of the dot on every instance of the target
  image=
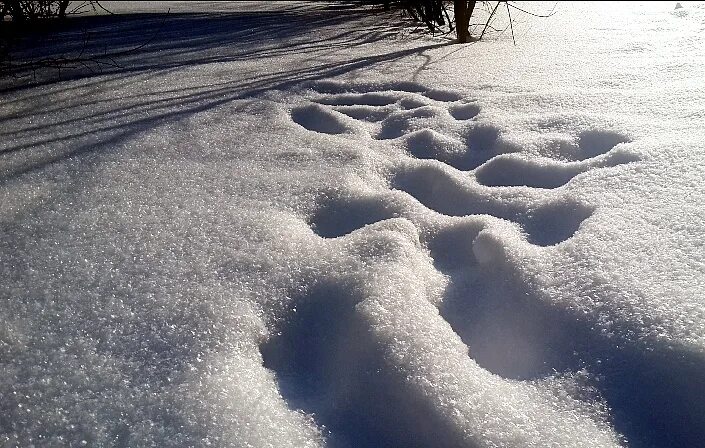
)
(553, 10)
(489, 19)
(511, 25)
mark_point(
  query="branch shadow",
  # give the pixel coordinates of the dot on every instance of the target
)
(83, 105)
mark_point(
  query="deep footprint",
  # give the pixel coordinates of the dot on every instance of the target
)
(592, 143)
(516, 334)
(328, 365)
(317, 118)
(401, 123)
(325, 369)
(340, 216)
(443, 95)
(370, 114)
(432, 145)
(545, 224)
(514, 171)
(587, 145)
(508, 332)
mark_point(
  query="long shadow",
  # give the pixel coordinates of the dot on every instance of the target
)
(178, 41)
(171, 40)
(198, 102)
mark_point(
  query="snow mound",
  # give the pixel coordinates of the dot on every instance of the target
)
(464, 111)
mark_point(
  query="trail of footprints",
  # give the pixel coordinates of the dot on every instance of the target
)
(442, 127)
(438, 129)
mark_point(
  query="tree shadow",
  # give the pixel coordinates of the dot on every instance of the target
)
(162, 40)
(82, 113)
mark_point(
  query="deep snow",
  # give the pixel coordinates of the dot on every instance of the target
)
(294, 224)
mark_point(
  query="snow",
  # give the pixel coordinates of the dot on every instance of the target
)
(296, 224)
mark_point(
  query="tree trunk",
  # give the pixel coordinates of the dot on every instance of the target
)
(463, 10)
(63, 4)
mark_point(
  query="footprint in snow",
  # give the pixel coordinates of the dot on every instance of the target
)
(508, 334)
(440, 125)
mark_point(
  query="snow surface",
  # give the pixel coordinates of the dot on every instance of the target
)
(297, 224)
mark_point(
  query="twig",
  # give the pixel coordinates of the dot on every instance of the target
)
(450, 22)
(553, 10)
(77, 9)
(511, 25)
(103, 8)
(489, 19)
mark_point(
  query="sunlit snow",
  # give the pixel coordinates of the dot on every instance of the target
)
(303, 225)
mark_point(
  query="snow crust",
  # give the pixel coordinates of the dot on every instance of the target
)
(291, 224)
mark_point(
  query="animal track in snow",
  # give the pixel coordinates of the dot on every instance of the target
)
(513, 170)
(319, 119)
(464, 111)
(544, 223)
(340, 216)
(328, 365)
(463, 168)
(440, 126)
(507, 333)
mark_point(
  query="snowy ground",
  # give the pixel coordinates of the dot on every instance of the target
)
(299, 225)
